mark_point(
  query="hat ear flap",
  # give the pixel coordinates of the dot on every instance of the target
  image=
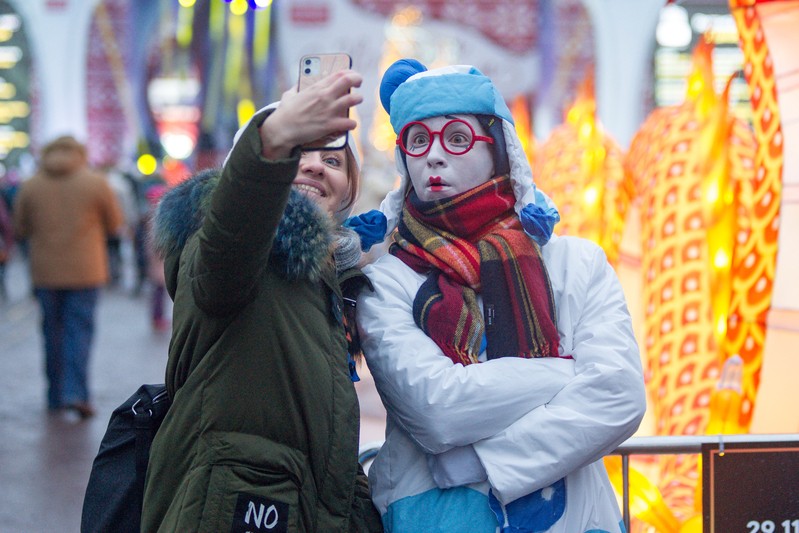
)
(395, 76)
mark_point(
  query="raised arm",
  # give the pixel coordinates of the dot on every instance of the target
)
(248, 203)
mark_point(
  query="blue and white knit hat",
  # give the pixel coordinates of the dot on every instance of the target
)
(408, 92)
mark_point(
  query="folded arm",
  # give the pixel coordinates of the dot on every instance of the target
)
(438, 403)
(599, 408)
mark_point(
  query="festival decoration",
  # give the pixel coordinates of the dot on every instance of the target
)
(520, 109)
(147, 164)
(111, 105)
(725, 402)
(492, 19)
(725, 409)
(580, 168)
(223, 45)
(229, 48)
(691, 165)
(16, 95)
(755, 259)
(646, 501)
(693, 524)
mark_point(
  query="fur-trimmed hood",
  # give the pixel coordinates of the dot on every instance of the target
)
(302, 244)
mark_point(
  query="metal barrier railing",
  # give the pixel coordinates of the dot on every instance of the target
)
(666, 445)
(677, 444)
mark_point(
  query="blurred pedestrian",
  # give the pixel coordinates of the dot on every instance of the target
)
(66, 212)
(126, 197)
(141, 238)
(155, 264)
(6, 245)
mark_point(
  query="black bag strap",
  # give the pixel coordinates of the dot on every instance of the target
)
(141, 422)
(147, 418)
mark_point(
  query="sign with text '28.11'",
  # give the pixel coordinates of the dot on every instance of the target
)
(751, 487)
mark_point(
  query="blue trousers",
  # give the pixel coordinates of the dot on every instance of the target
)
(68, 329)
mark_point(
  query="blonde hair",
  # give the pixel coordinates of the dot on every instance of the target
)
(353, 177)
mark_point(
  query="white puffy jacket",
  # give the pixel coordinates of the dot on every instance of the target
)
(530, 431)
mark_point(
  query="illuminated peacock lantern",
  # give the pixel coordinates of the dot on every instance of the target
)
(706, 262)
(754, 262)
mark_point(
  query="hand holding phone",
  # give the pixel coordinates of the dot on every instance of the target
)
(313, 68)
(314, 117)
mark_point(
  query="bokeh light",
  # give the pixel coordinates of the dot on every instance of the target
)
(147, 164)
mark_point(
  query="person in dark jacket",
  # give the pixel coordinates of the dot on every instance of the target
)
(262, 434)
(7, 241)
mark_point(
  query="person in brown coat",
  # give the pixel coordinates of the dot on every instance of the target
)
(66, 211)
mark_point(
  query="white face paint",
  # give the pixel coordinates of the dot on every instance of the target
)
(322, 177)
(439, 174)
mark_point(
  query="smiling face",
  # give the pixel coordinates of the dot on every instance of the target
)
(323, 177)
(439, 174)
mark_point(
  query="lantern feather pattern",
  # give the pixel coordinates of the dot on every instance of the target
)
(754, 262)
(689, 165)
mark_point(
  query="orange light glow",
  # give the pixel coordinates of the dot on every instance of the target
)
(688, 163)
(646, 501)
(520, 110)
(580, 167)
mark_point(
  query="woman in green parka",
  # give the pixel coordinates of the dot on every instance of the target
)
(262, 434)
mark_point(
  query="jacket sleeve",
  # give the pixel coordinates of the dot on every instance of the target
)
(600, 407)
(438, 403)
(239, 228)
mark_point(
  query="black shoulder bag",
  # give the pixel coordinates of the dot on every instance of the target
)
(114, 495)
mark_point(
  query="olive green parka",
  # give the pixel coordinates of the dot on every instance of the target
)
(262, 434)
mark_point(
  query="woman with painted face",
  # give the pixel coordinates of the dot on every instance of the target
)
(504, 354)
(263, 430)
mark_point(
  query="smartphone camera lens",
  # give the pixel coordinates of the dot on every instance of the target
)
(307, 61)
(307, 71)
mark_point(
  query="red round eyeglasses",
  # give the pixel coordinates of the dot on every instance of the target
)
(456, 137)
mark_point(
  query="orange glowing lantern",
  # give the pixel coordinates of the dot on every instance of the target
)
(520, 109)
(725, 403)
(693, 524)
(754, 261)
(646, 501)
(689, 164)
(580, 168)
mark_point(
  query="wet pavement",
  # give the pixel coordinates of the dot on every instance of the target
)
(45, 458)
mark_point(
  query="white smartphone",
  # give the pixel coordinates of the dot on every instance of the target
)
(313, 67)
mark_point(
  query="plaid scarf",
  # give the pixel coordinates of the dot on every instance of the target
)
(473, 243)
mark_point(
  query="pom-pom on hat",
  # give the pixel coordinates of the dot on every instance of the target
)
(396, 75)
(410, 92)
